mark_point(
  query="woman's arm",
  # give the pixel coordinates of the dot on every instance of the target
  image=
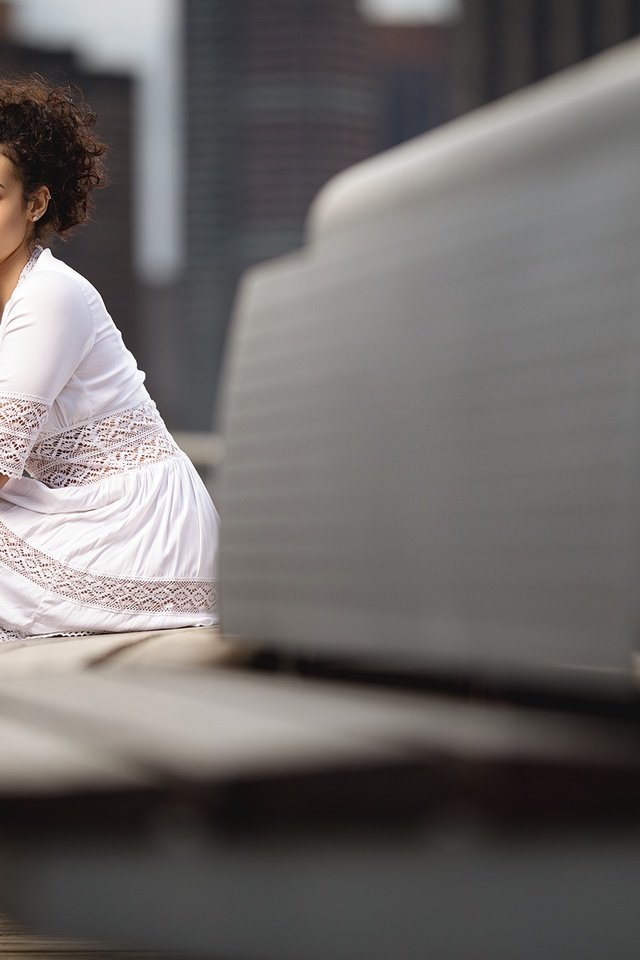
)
(3, 480)
(46, 333)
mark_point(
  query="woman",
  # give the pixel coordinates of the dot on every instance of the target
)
(113, 529)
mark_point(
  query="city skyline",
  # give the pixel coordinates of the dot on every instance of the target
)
(144, 40)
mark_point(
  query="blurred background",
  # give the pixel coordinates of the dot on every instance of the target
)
(225, 117)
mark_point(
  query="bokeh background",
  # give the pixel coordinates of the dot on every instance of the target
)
(225, 117)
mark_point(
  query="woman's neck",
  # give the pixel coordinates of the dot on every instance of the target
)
(10, 269)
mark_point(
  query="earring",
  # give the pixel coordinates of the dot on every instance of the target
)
(35, 217)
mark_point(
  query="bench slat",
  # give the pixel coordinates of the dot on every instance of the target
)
(173, 733)
(218, 726)
(35, 758)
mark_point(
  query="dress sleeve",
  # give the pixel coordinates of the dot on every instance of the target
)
(46, 333)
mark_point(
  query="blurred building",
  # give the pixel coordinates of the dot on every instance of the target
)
(411, 68)
(101, 250)
(505, 44)
(278, 98)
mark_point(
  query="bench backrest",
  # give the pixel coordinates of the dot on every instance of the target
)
(432, 411)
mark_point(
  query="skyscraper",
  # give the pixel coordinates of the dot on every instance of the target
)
(412, 74)
(278, 99)
(506, 44)
(101, 250)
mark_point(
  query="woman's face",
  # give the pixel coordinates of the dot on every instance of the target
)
(15, 213)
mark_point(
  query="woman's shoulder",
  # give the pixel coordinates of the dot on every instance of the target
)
(54, 300)
(53, 283)
(48, 270)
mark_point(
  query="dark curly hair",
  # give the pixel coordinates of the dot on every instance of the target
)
(50, 140)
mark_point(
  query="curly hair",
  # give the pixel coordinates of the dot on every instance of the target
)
(50, 140)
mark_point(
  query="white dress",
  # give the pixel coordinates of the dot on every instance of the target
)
(113, 529)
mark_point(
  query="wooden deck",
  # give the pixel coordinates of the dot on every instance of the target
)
(164, 648)
(15, 942)
(158, 792)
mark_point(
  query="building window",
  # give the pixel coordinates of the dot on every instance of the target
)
(541, 63)
(493, 24)
(589, 33)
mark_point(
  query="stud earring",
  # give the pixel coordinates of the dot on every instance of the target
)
(35, 217)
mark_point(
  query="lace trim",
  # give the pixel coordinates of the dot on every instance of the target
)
(30, 264)
(21, 420)
(21, 417)
(116, 594)
(116, 443)
(9, 636)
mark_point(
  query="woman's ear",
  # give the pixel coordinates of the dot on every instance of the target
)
(38, 203)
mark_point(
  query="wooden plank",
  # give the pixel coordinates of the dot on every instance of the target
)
(411, 722)
(189, 647)
(37, 757)
(16, 942)
(59, 654)
(221, 725)
(180, 647)
(174, 733)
